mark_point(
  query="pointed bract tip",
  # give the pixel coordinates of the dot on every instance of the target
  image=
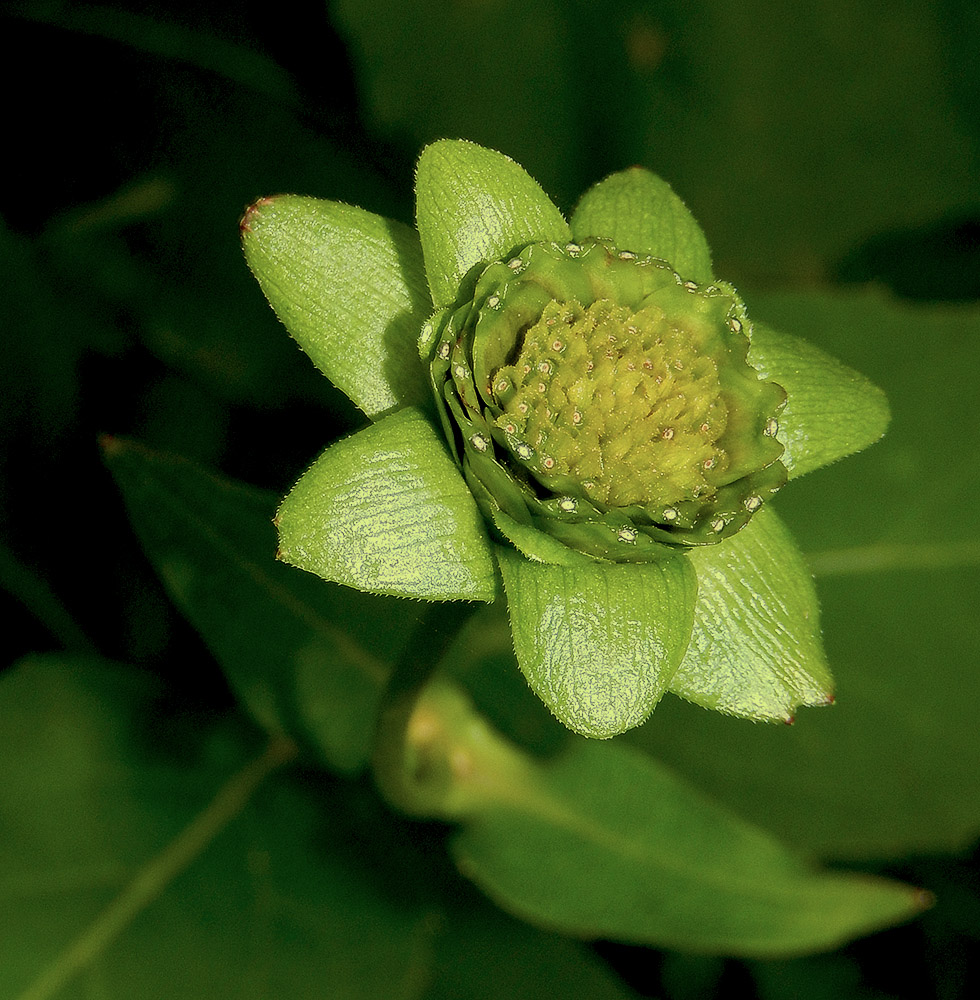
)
(109, 444)
(923, 899)
(829, 699)
(245, 223)
(789, 720)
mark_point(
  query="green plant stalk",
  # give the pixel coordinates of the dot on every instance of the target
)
(413, 724)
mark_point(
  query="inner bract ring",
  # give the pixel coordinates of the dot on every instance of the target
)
(598, 396)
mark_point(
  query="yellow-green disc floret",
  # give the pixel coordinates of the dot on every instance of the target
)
(599, 397)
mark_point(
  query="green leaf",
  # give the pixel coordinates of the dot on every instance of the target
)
(831, 410)
(486, 955)
(305, 657)
(537, 545)
(350, 287)
(755, 650)
(602, 842)
(134, 875)
(154, 855)
(640, 212)
(387, 511)
(475, 206)
(599, 643)
(891, 769)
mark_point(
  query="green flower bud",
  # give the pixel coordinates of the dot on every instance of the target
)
(597, 396)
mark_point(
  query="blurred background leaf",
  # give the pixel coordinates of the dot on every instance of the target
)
(835, 144)
(794, 135)
(306, 658)
(837, 122)
(248, 883)
(605, 843)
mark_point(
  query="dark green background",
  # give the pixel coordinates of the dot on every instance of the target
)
(831, 152)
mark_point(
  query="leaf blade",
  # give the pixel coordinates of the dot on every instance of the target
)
(598, 642)
(831, 411)
(755, 650)
(639, 211)
(475, 205)
(605, 843)
(118, 829)
(387, 511)
(349, 286)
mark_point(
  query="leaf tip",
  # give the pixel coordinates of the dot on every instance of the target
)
(591, 729)
(109, 445)
(923, 899)
(251, 213)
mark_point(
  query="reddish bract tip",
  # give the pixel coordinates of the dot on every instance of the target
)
(830, 700)
(245, 222)
(109, 444)
(789, 720)
(923, 899)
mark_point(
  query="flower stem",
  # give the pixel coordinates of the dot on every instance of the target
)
(398, 772)
(434, 633)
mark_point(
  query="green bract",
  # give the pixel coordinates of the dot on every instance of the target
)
(610, 429)
(599, 397)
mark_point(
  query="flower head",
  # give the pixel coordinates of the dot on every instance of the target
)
(600, 396)
(608, 428)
